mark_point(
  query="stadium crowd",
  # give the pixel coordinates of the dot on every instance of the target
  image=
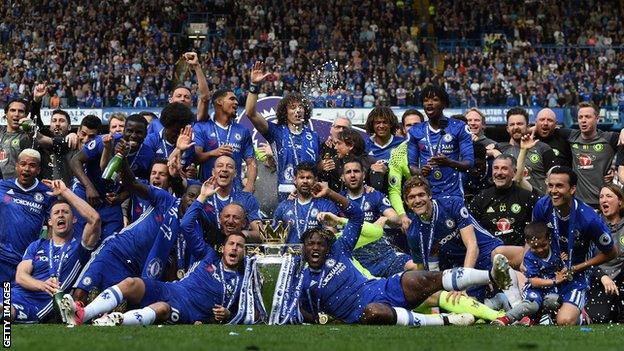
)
(145, 220)
(348, 58)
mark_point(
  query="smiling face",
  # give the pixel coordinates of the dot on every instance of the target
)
(224, 171)
(315, 249)
(382, 128)
(418, 200)
(134, 134)
(61, 220)
(540, 246)
(233, 251)
(609, 203)
(502, 173)
(475, 122)
(86, 134)
(232, 219)
(559, 190)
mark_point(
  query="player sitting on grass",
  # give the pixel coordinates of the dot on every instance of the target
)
(51, 265)
(544, 271)
(208, 293)
(331, 283)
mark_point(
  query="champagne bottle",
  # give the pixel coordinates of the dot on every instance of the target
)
(113, 168)
(26, 126)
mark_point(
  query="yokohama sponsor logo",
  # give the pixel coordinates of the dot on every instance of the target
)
(30, 204)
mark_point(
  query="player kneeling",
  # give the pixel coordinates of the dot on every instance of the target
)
(206, 294)
(332, 284)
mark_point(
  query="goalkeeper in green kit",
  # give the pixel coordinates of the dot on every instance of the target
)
(398, 169)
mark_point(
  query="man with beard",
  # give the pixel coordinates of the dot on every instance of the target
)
(505, 208)
(441, 149)
(300, 213)
(25, 206)
(332, 284)
(291, 139)
(223, 136)
(540, 158)
(94, 189)
(57, 157)
(51, 265)
(142, 248)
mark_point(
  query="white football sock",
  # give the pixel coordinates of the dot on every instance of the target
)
(513, 292)
(104, 302)
(405, 317)
(458, 279)
(144, 316)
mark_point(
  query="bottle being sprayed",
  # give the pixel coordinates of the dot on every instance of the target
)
(27, 126)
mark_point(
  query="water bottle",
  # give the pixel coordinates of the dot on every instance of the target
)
(113, 168)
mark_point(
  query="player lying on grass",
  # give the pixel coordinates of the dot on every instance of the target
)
(142, 248)
(544, 271)
(208, 293)
(455, 302)
(51, 265)
(332, 285)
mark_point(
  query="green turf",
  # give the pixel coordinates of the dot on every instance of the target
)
(332, 337)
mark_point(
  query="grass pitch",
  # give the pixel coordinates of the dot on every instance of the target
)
(329, 337)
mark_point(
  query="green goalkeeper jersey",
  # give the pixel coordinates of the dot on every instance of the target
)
(398, 171)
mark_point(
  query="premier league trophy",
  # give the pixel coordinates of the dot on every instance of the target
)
(276, 267)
